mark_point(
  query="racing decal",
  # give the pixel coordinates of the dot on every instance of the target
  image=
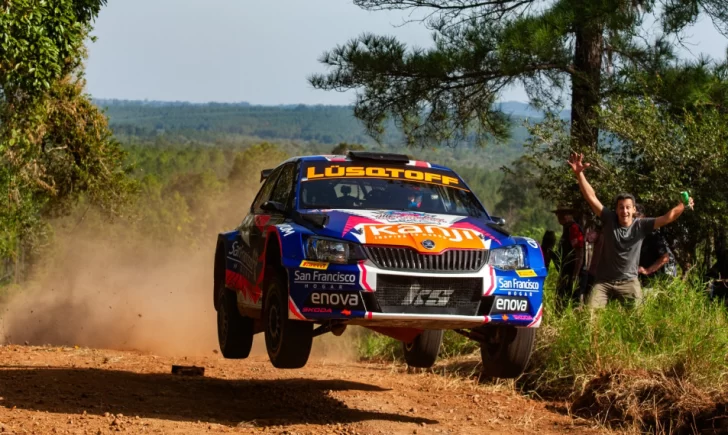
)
(347, 170)
(419, 163)
(418, 296)
(423, 238)
(327, 300)
(518, 284)
(503, 304)
(286, 230)
(293, 311)
(335, 158)
(363, 282)
(468, 225)
(490, 281)
(352, 222)
(240, 284)
(409, 217)
(324, 280)
(261, 221)
(526, 273)
(319, 265)
(532, 243)
(537, 319)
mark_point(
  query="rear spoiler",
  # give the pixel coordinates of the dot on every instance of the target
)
(379, 157)
(265, 173)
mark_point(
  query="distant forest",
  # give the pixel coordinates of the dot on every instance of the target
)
(172, 139)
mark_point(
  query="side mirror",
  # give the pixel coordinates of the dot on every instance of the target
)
(273, 207)
(498, 220)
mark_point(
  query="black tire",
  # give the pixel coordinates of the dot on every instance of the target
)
(288, 341)
(507, 351)
(423, 350)
(218, 276)
(234, 331)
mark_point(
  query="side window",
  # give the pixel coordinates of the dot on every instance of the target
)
(265, 191)
(283, 192)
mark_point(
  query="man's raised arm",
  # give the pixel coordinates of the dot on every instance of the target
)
(578, 166)
(672, 215)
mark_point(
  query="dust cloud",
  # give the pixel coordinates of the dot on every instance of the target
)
(115, 290)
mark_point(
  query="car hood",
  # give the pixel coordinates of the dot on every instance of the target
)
(425, 232)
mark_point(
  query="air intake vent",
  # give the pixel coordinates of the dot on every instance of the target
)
(406, 259)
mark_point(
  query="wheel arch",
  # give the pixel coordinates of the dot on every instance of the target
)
(273, 263)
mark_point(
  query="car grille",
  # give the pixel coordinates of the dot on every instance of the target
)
(406, 259)
(420, 294)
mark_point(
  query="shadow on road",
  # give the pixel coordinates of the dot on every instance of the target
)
(154, 395)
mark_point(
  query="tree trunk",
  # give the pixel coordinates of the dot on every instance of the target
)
(585, 85)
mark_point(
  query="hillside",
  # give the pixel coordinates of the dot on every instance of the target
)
(142, 121)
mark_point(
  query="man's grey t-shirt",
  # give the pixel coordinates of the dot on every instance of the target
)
(620, 254)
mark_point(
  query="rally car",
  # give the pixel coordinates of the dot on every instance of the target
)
(399, 246)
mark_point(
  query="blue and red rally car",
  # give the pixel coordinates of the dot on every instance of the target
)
(401, 247)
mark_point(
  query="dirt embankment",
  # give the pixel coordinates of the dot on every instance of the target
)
(86, 391)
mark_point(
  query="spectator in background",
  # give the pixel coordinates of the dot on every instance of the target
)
(592, 253)
(568, 257)
(656, 258)
(548, 242)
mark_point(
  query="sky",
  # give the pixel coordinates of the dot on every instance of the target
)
(259, 51)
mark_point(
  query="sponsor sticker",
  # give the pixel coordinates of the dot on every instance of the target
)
(286, 230)
(532, 243)
(418, 296)
(526, 273)
(502, 305)
(517, 284)
(324, 280)
(345, 171)
(325, 301)
(319, 265)
(413, 235)
(403, 217)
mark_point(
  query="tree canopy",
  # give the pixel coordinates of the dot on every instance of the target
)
(446, 93)
(55, 145)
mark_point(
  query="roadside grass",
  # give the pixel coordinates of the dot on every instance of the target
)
(661, 366)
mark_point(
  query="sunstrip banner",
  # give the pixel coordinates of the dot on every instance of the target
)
(326, 170)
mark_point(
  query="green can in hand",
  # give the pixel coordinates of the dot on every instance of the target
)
(685, 197)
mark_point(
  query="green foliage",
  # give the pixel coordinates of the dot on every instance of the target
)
(55, 146)
(42, 41)
(677, 330)
(652, 153)
(446, 93)
(245, 166)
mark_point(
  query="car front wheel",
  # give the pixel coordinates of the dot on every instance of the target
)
(507, 350)
(423, 350)
(288, 341)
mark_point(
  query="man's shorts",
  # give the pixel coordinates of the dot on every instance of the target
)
(622, 290)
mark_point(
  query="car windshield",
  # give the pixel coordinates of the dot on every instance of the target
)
(349, 185)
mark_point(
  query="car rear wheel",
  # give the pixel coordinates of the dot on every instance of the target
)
(423, 350)
(288, 341)
(234, 331)
(507, 350)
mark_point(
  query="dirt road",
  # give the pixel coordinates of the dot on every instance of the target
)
(88, 391)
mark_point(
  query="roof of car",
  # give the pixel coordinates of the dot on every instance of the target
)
(382, 159)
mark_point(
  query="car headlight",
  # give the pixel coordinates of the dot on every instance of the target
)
(507, 258)
(333, 251)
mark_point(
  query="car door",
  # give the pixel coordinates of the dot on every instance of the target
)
(278, 188)
(250, 235)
